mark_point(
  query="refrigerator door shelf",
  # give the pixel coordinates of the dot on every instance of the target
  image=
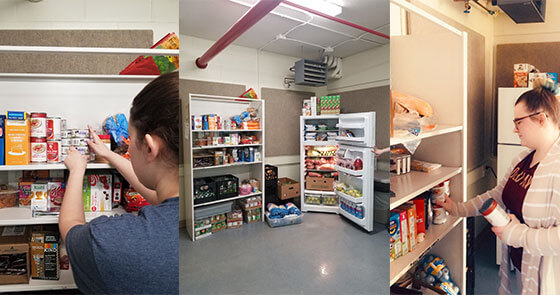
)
(350, 198)
(356, 173)
(362, 125)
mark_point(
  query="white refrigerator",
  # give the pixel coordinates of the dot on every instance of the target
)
(356, 140)
(509, 145)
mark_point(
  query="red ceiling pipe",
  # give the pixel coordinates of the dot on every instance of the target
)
(336, 19)
(250, 18)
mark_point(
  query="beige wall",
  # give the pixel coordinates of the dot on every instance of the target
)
(507, 31)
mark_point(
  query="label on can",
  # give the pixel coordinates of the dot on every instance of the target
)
(38, 124)
(53, 151)
(82, 149)
(79, 142)
(80, 133)
(65, 134)
(54, 128)
(64, 149)
(38, 150)
(66, 142)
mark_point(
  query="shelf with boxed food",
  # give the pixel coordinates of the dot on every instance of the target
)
(433, 235)
(59, 166)
(410, 185)
(228, 131)
(320, 143)
(228, 165)
(23, 216)
(225, 146)
(228, 199)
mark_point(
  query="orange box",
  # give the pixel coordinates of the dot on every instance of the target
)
(17, 142)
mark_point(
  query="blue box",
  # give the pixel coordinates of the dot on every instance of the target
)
(2, 143)
(553, 77)
(16, 115)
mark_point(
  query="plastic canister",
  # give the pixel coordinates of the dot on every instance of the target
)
(494, 213)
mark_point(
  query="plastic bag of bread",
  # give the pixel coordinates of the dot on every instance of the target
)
(409, 104)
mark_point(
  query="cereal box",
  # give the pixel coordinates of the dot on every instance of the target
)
(39, 200)
(411, 217)
(404, 231)
(17, 142)
(534, 76)
(395, 236)
(56, 189)
(25, 192)
(420, 218)
(97, 194)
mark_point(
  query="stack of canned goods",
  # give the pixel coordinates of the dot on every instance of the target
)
(78, 139)
(45, 138)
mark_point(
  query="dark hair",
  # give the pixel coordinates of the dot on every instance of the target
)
(542, 98)
(156, 110)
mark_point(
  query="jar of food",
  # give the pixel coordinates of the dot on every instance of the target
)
(38, 124)
(38, 150)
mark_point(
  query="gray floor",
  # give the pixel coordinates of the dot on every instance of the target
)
(486, 270)
(326, 254)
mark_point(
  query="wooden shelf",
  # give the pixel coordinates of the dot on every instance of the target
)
(87, 50)
(439, 130)
(208, 147)
(59, 166)
(408, 186)
(434, 233)
(66, 281)
(228, 199)
(228, 165)
(22, 216)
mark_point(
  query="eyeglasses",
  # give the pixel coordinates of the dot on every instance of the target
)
(517, 121)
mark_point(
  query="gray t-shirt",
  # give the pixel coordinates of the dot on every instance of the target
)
(128, 254)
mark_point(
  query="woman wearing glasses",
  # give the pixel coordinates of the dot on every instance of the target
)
(530, 191)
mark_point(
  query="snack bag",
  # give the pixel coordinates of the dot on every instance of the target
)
(250, 94)
(156, 65)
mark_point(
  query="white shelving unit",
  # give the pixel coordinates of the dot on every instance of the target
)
(332, 122)
(225, 107)
(93, 97)
(416, 59)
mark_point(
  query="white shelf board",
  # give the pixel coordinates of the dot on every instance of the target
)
(439, 130)
(228, 165)
(434, 233)
(355, 219)
(331, 193)
(321, 208)
(323, 131)
(320, 143)
(409, 185)
(47, 166)
(228, 199)
(319, 156)
(207, 147)
(351, 126)
(357, 173)
(350, 198)
(224, 98)
(66, 281)
(87, 50)
(229, 131)
(320, 117)
(75, 76)
(352, 139)
(22, 216)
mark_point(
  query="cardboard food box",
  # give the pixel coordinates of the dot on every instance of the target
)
(97, 194)
(14, 255)
(253, 215)
(235, 219)
(319, 183)
(404, 231)
(56, 189)
(45, 254)
(17, 142)
(395, 236)
(25, 192)
(330, 105)
(39, 196)
(534, 76)
(8, 197)
(553, 77)
(2, 139)
(288, 188)
(420, 218)
(411, 222)
(39, 174)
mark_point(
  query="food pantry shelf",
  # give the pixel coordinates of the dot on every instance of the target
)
(229, 199)
(410, 185)
(223, 146)
(59, 166)
(22, 216)
(434, 233)
(66, 282)
(237, 130)
(228, 165)
(320, 143)
(439, 130)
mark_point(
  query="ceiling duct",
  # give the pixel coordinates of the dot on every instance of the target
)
(311, 73)
(523, 11)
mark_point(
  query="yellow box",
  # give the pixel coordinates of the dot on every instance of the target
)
(17, 142)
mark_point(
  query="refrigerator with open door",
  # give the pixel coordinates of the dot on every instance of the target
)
(355, 164)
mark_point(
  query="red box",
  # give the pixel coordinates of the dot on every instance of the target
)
(420, 215)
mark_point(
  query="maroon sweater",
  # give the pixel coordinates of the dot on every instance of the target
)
(513, 196)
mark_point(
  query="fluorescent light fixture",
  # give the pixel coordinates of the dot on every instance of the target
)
(319, 5)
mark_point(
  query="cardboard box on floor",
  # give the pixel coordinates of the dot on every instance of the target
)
(14, 240)
(288, 188)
